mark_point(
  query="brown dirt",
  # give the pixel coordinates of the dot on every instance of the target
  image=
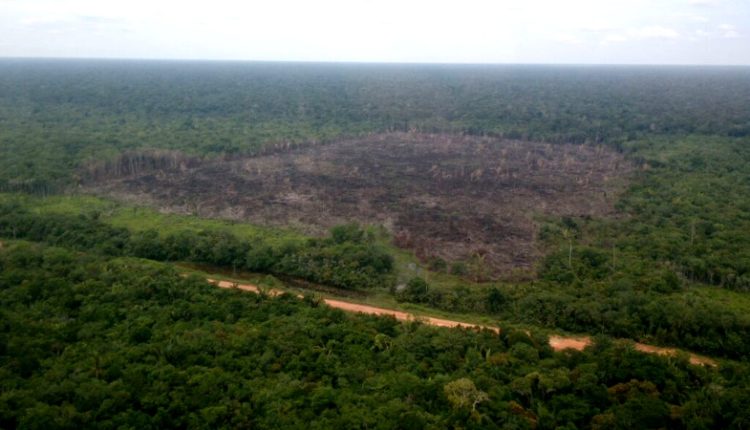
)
(694, 358)
(448, 196)
(558, 343)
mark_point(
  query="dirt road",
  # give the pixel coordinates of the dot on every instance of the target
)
(579, 343)
(363, 309)
(558, 343)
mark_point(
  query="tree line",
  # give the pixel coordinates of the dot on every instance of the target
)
(349, 258)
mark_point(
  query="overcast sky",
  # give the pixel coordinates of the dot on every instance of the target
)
(466, 31)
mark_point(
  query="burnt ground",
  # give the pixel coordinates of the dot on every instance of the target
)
(448, 196)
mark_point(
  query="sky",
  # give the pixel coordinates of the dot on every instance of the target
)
(711, 32)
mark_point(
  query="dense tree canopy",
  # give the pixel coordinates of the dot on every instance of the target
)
(90, 342)
(54, 115)
(97, 331)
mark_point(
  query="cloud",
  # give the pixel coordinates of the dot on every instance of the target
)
(61, 23)
(597, 28)
(567, 38)
(614, 38)
(654, 32)
(635, 31)
(703, 3)
(697, 18)
(728, 31)
(45, 20)
(103, 20)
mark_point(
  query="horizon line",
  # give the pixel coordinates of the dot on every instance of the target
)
(363, 62)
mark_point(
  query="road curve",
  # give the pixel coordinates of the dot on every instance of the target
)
(558, 343)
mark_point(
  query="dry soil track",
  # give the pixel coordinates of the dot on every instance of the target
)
(558, 343)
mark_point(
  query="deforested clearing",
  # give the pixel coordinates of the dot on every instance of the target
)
(455, 197)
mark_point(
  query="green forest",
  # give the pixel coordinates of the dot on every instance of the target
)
(108, 320)
(101, 342)
(56, 115)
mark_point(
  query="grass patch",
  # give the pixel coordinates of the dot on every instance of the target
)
(136, 218)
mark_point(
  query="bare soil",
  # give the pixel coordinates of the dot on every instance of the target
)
(559, 343)
(455, 197)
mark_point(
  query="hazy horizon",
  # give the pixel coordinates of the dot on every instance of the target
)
(539, 32)
(374, 63)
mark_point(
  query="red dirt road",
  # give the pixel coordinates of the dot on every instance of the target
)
(579, 343)
(558, 343)
(363, 309)
(402, 316)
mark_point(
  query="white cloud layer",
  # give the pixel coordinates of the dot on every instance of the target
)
(509, 31)
(642, 34)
